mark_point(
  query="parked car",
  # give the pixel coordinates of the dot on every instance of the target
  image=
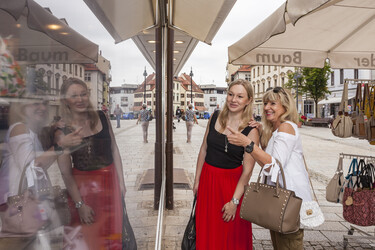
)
(128, 115)
(206, 115)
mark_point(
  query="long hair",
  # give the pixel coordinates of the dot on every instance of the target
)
(284, 96)
(65, 110)
(247, 113)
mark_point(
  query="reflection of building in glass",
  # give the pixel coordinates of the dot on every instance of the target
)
(124, 96)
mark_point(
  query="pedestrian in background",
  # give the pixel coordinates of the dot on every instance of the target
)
(144, 119)
(190, 120)
(178, 113)
(118, 113)
(280, 140)
(221, 176)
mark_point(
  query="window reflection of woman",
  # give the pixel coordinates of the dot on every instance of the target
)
(24, 151)
(93, 171)
(222, 172)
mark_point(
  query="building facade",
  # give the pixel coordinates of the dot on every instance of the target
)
(213, 97)
(139, 94)
(123, 96)
(189, 91)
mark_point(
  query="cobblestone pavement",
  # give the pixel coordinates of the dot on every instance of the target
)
(321, 150)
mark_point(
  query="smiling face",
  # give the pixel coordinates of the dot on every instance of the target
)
(237, 98)
(273, 111)
(77, 98)
(36, 113)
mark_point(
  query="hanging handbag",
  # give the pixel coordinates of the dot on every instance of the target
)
(188, 241)
(370, 123)
(350, 178)
(272, 207)
(310, 213)
(357, 206)
(35, 209)
(342, 126)
(358, 116)
(335, 184)
(128, 238)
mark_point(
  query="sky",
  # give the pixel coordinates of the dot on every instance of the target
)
(207, 61)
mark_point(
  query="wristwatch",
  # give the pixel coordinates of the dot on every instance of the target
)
(235, 201)
(58, 150)
(249, 148)
(79, 204)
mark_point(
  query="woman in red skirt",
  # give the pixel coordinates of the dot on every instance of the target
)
(222, 173)
(92, 171)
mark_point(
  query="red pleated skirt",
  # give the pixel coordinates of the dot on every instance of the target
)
(216, 188)
(100, 190)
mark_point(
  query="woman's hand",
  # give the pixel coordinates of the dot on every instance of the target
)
(195, 187)
(257, 125)
(237, 138)
(87, 214)
(229, 211)
(70, 140)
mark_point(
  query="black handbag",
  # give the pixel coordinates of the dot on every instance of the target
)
(128, 238)
(188, 241)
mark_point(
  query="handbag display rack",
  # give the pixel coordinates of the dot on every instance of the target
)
(350, 235)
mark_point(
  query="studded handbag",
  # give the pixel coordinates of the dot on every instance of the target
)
(277, 209)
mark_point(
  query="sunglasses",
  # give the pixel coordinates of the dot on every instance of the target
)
(277, 90)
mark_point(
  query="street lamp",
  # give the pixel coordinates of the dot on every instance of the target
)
(144, 95)
(297, 75)
(191, 85)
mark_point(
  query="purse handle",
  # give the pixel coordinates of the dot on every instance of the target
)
(20, 185)
(312, 187)
(277, 190)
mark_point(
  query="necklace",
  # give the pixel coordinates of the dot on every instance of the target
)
(226, 144)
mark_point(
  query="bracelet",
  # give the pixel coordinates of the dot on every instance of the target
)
(79, 204)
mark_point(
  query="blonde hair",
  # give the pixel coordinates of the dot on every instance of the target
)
(286, 100)
(247, 113)
(17, 107)
(65, 110)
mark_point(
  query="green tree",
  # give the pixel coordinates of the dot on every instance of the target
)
(313, 83)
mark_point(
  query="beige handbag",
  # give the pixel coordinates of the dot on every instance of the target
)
(342, 126)
(335, 184)
(271, 207)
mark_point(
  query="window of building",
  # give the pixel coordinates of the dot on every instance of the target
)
(264, 89)
(275, 82)
(124, 98)
(269, 69)
(258, 88)
(88, 77)
(258, 70)
(57, 66)
(341, 76)
(308, 106)
(80, 71)
(70, 68)
(263, 69)
(148, 95)
(139, 95)
(182, 103)
(269, 84)
(76, 70)
(332, 78)
(213, 99)
(138, 104)
(182, 95)
(254, 72)
(247, 77)
(282, 81)
(64, 67)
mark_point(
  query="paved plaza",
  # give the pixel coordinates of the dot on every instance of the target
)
(321, 149)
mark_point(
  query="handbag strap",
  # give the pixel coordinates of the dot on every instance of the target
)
(339, 165)
(312, 187)
(277, 189)
(344, 99)
(192, 213)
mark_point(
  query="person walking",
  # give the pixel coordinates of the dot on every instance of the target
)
(93, 171)
(144, 117)
(222, 172)
(118, 113)
(280, 140)
(190, 120)
(178, 113)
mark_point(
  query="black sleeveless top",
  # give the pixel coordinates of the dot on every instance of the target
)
(95, 151)
(216, 155)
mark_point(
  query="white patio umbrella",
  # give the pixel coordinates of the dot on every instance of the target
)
(36, 36)
(342, 31)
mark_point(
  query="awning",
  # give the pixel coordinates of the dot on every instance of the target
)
(340, 30)
(330, 100)
(192, 20)
(36, 36)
